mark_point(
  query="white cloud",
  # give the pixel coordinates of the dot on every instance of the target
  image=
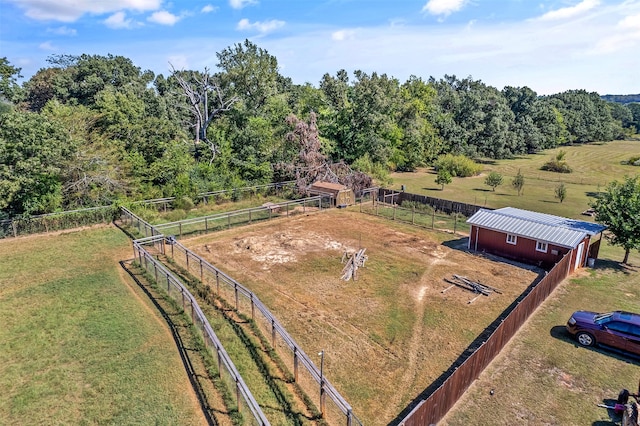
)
(342, 35)
(570, 12)
(66, 31)
(119, 21)
(47, 46)
(262, 27)
(163, 17)
(72, 10)
(240, 4)
(443, 7)
(630, 22)
(624, 37)
(208, 9)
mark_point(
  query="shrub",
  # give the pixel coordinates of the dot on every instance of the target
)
(633, 161)
(421, 207)
(557, 164)
(458, 165)
(183, 203)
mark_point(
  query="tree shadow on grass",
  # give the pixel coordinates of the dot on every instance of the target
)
(611, 265)
(432, 189)
(560, 332)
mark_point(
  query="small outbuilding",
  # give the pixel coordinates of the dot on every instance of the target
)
(534, 238)
(341, 196)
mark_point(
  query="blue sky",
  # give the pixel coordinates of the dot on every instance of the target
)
(547, 45)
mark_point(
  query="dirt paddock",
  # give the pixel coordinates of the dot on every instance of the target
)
(390, 333)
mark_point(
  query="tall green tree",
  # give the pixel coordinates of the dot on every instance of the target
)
(618, 207)
(9, 89)
(32, 150)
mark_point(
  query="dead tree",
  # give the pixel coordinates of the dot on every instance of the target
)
(312, 165)
(206, 101)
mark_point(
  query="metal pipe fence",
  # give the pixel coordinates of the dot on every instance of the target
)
(305, 373)
(426, 218)
(234, 194)
(69, 219)
(219, 221)
(133, 221)
(177, 291)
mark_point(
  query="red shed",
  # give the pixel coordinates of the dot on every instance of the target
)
(535, 238)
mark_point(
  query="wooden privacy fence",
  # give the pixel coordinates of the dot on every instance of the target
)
(174, 288)
(69, 219)
(305, 372)
(390, 196)
(433, 408)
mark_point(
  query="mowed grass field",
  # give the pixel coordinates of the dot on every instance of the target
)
(594, 165)
(80, 343)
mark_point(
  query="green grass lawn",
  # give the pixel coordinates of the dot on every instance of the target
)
(79, 344)
(594, 165)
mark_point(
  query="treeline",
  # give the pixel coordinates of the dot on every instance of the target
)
(622, 99)
(90, 130)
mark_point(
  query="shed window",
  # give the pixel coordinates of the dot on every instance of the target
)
(540, 246)
(511, 239)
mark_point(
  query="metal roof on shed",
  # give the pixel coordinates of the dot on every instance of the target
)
(538, 226)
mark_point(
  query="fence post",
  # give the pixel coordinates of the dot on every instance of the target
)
(236, 293)
(206, 225)
(455, 224)
(273, 333)
(169, 289)
(180, 227)
(201, 272)
(186, 253)
(253, 308)
(295, 364)
(433, 218)
(238, 396)
(155, 271)
(218, 282)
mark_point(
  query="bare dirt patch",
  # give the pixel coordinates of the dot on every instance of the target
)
(391, 333)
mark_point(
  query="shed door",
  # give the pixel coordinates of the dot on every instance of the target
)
(579, 255)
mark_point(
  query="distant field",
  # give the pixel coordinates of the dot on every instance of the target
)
(80, 344)
(594, 166)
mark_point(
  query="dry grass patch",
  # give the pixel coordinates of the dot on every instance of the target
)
(391, 333)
